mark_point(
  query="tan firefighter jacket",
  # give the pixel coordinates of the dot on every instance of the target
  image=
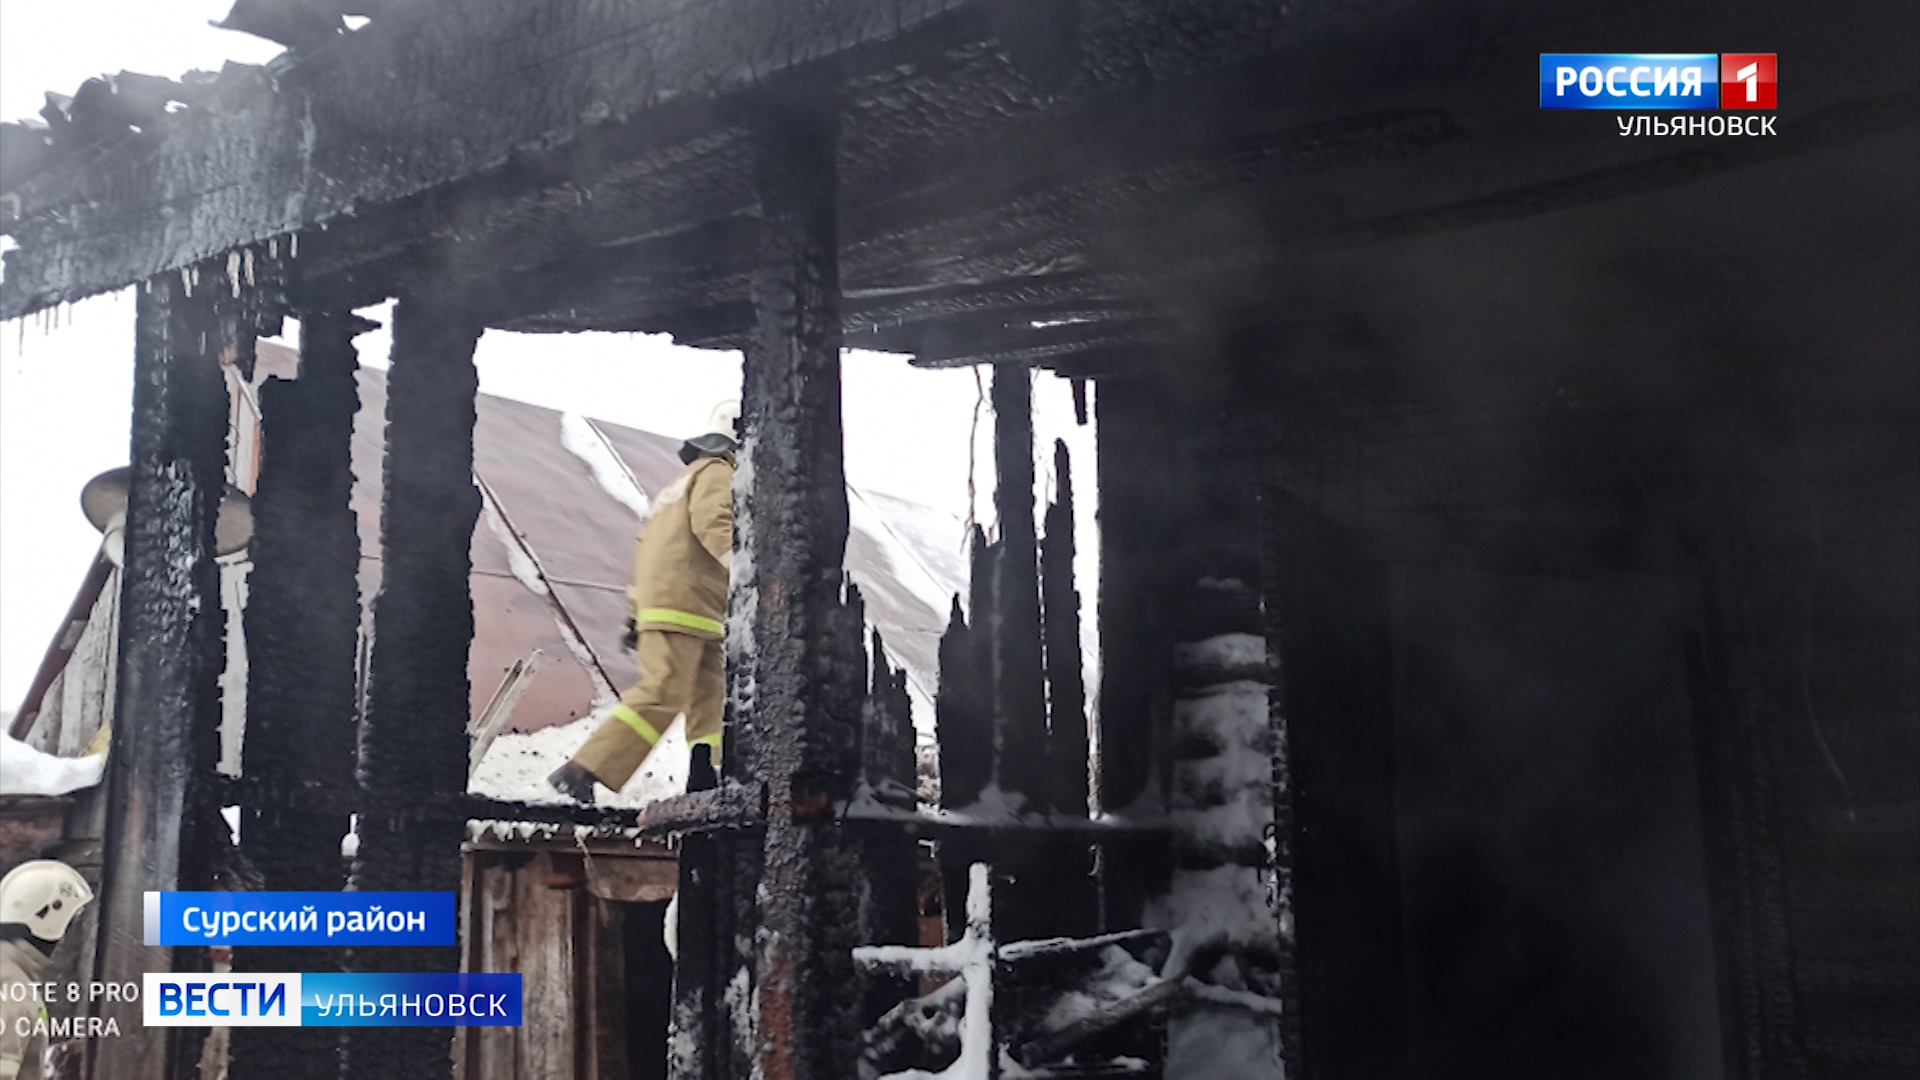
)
(20, 966)
(685, 549)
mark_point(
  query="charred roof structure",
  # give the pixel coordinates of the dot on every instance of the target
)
(1509, 607)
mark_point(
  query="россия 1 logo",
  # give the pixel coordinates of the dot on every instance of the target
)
(1747, 80)
(1657, 80)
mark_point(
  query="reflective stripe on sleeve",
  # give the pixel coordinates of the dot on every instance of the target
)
(638, 723)
(707, 740)
(680, 618)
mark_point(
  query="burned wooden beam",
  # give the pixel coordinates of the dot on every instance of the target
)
(1035, 345)
(162, 817)
(1053, 1045)
(333, 116)
(796, 642)
(733, 806)
(413, 739)
(913, 337)
(303, 621)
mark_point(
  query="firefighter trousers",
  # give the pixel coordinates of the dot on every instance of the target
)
(679, 673)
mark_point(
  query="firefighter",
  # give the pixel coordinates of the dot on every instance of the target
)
(679, 598)
(37, 901)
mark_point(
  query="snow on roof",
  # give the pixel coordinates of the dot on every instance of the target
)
(26, 771)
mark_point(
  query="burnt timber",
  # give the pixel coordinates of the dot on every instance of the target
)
(1395, 373)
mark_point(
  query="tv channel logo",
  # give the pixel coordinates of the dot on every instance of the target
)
(1747, 80)
(1629, 80)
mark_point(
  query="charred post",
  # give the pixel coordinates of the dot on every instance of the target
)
(889, 914)
(961, 707)
(1008, 625)
(302, 619)
(797, 644)
(1077, 905)
(1066, 682)
(696, 1022)
(886, 730)
(163, 812)
(1134, 690)
(413, 740)
(964, 717)
(1013, 620)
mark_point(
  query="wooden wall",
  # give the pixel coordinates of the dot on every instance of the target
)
(557, 917)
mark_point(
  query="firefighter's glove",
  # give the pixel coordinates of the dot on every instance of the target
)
(630, 639)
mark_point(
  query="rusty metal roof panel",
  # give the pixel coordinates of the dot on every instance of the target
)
(563, 591)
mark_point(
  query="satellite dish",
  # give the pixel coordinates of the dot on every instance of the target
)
(104, 501)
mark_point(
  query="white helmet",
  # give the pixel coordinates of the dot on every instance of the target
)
(44, 896)
(722, 435)
(725, 420)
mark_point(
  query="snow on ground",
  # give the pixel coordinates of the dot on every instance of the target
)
(1220, 905)
(26, 771)
(1118, 977)
(1217, 1044)
(516, 766)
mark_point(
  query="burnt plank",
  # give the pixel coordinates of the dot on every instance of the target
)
(1012, 619)
(413, 740)
(303, 620)
(1076, 904)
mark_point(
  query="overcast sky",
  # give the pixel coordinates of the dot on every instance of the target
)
(65, 388)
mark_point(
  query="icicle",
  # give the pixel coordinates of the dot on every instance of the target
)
(186, 280)
(233, 272)
(273, 247)
(293, 246)
(246, 259)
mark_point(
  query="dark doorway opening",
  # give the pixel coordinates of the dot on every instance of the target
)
(649, 984)
(1549, 828)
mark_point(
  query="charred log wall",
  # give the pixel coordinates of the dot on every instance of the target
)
(1808, 678)
(163, 817)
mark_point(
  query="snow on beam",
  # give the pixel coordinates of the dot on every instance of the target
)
(413, 740)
